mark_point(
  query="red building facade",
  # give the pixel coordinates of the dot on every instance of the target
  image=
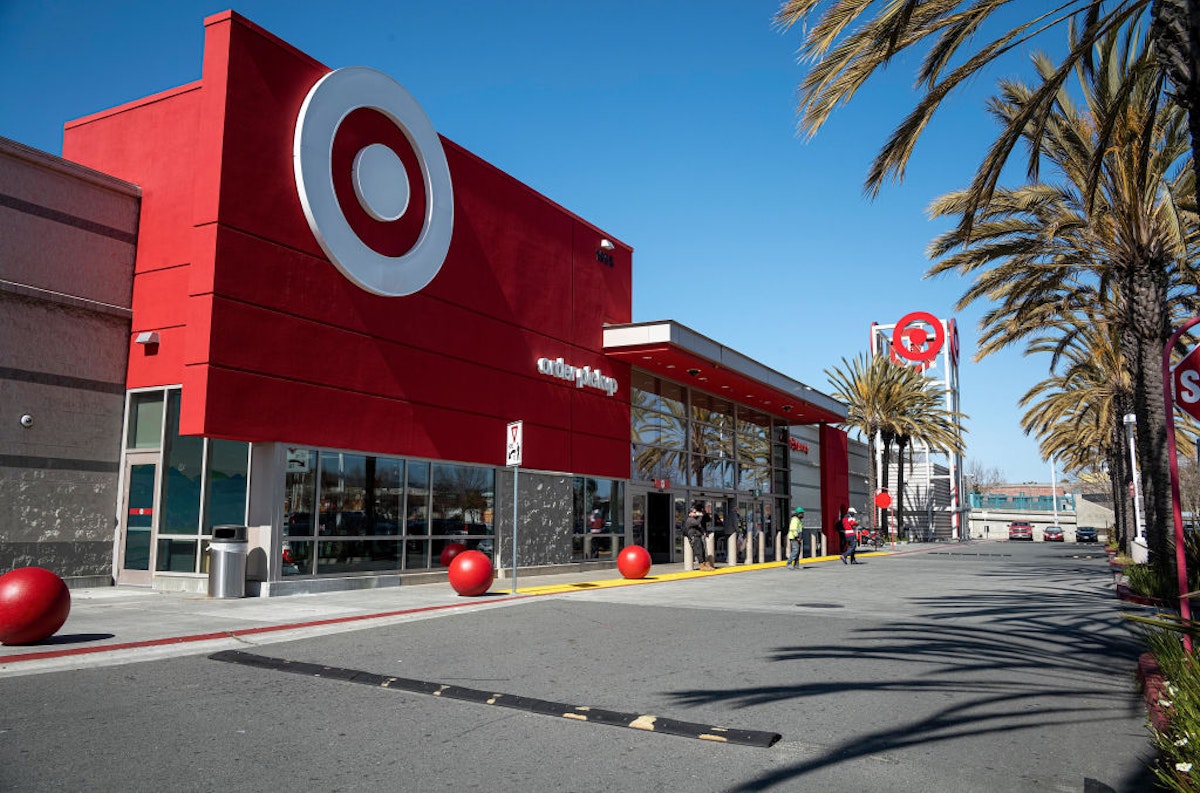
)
(301, 325)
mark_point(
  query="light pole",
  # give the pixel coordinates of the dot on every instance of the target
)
(1054, 488)
(1139, 519)
(1139, 549)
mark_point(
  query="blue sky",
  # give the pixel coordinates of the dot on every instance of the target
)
(669, 124)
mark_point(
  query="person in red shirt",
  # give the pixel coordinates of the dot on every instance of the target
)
(849, 527)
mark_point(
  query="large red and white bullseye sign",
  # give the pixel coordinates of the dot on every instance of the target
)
(911, 339)
(1186, 377)
(373, 180)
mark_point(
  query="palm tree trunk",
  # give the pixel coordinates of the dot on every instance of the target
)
(1116, 484)
(1146, 288)
(872, 474)
(902, 444)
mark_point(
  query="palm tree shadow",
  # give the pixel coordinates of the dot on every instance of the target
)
(1028, 669)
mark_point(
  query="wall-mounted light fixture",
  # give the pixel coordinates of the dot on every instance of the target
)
(787, 408)
(147, 337)
(604, 252)
(693, 372)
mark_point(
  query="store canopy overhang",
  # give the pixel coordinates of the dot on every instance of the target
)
(667, 349)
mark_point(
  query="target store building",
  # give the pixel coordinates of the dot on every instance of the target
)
(307, 313)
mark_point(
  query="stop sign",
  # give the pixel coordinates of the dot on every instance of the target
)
(1186, 378)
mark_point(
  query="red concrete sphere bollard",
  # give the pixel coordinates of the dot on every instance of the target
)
(634, 561)
(450, 551)
(34, 603)
(471, 573)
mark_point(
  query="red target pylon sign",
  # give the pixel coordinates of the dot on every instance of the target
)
(915, 343)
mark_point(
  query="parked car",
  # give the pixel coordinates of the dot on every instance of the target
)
(1020, 530)
(1052, 534)
(1085, 534)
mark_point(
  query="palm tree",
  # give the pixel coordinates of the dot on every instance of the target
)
(889, 403)
(847, 45)
(1114, 229)
(1077, 414)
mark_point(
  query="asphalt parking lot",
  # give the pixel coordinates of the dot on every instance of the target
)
(975, 667)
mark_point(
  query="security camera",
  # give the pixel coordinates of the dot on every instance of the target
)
(693, 372)
(26, 421)
(787, 408)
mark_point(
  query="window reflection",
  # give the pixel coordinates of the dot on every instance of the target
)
(183, 474)
(598, 530)
(380, 513)
(300, 493)
(228, 464)
(710, 443)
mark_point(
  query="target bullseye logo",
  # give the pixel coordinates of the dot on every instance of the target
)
(373, 181)
(912, 342)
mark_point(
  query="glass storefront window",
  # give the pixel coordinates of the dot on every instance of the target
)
(416, 505)
(380, 513)
(300, 493)
(385, 495)
(658, 462)
(176, 556)
(145, 420)
(652, 393)
(462, 500)
(343, 481)
(182, 476)
(711, 409)
(228, 465)
(597, 518)
(712, 472)
(297, 558)
(357, 556)
(713, 443)
(203, 483)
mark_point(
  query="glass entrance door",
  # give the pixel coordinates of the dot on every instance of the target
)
(658, 524)
(139, 518)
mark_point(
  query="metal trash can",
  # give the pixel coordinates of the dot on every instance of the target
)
(227, 553)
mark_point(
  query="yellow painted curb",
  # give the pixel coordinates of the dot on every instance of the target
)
(608, 583)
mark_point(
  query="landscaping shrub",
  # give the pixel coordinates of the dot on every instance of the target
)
(1178, 700)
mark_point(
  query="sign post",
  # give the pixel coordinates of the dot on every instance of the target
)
(513, 441)
(1184, 378)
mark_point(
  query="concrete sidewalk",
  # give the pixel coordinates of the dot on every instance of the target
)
(116, 625)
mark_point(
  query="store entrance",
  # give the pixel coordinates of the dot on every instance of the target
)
(138, 518)
(658, 527)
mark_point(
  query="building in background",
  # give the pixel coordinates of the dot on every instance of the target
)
(1041, 504)
(930, 345)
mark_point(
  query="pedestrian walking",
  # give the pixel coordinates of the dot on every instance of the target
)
(849, 527)
(794, 535)
(694, 527)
